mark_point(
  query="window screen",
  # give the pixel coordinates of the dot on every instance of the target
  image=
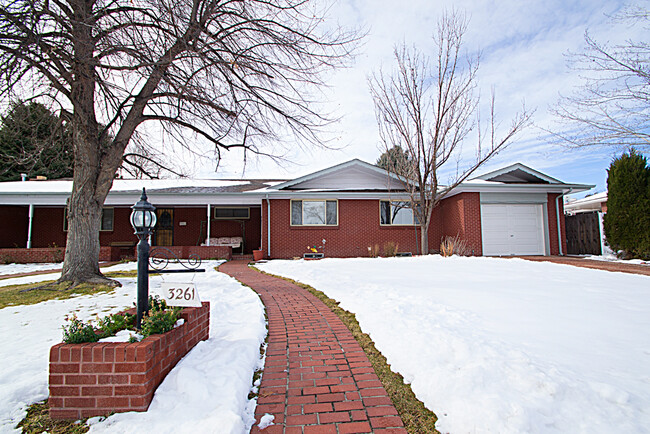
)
(238, 213)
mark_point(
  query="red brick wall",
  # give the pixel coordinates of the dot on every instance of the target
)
(50, 254)
(204, 252)
(13, 226)
(47, 227)
(97, 379)
(552, 225)
(252, 230)
(458, 215)
(358, 229)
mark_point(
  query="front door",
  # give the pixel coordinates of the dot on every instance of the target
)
(164, 234)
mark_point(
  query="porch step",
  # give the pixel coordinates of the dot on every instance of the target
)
(242, 257)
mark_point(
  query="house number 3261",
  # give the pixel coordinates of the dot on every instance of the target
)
(180, 294)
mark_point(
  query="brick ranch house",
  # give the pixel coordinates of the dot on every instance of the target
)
(342, 211)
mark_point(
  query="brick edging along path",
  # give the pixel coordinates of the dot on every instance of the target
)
(316, 378)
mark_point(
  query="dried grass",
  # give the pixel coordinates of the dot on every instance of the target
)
(454, 246)
(390, 248)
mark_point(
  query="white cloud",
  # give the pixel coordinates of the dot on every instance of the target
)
(524, 46)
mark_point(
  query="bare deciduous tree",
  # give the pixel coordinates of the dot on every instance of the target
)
(612, 106)
(236, 73)
(429, 110)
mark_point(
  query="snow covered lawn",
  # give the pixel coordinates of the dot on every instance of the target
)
(207, 389)
(503, 345)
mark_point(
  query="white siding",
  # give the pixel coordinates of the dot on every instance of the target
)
(349, 178)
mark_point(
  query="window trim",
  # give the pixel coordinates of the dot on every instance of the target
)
(247, 208)
(391, 215)
(65, 219)
(322, 225)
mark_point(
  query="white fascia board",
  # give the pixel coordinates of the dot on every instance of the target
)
(519, 188)
(355, 162)
(339, 195)
(130, 198)
(56, 199)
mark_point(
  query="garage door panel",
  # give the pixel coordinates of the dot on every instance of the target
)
(512, 229)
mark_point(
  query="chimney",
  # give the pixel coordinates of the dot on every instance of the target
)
(23, 177)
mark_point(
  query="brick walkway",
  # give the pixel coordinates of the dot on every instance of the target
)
(316, 379)
(620, 267)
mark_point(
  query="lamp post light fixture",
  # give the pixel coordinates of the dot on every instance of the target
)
(143, 220)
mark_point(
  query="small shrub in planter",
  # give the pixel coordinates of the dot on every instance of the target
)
(160, 319)
(79, 332)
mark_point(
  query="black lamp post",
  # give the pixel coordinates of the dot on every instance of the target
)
(143, 219)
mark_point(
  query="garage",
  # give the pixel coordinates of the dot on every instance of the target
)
(512, 229)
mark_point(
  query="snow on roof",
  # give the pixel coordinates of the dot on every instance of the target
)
(586, 203)
(598, 197)
(119, 185)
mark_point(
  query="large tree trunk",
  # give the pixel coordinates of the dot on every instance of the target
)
(92, 181)
(82, 246)
(93, 175)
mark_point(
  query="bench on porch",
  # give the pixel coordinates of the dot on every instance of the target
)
(233, 242)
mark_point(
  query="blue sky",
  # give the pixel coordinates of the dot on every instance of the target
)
(523, 57)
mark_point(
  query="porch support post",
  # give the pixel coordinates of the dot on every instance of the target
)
(207, 241)
(601, 229)
(268, 227)
(29, 225)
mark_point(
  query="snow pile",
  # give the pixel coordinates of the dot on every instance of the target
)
(6, 269)
(122, 336)
(266, 421)
(503, 345)
(207, 389)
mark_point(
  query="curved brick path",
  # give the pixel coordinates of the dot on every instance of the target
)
(316, 379)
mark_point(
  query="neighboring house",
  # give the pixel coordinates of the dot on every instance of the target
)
(584, 222)
(341, 211)
(594, 202)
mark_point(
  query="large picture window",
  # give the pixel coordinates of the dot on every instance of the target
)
(314, 212)
(396, 213)
(106, 225)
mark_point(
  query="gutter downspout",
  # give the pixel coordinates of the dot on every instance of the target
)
(207, 240)
(29, 226)
(557, 213)
(268, 227)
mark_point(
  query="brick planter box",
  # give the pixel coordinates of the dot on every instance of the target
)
(96, 379)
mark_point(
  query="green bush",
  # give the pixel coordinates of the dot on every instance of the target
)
(110, 325)
(627, 222)
(79, 332)
(160, 319)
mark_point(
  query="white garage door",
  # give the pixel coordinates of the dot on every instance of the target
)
(512, 229)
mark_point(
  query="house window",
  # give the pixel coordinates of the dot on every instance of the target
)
(314, 213)
(396, 213)
(106, 225)
(232, 213)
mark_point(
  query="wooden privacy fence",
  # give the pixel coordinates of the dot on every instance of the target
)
(583, 234)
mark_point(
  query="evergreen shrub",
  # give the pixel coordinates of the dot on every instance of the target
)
(627, 222)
